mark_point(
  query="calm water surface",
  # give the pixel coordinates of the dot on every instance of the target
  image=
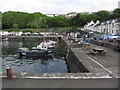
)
(11, 58)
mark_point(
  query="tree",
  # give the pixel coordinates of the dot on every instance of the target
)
(23, 20)
(11, 17)
(92, 17)
(103, 15)
(116, 13)
(15, 26)
(7, 19)
(58, 21)
(0, 20)
(76, 19)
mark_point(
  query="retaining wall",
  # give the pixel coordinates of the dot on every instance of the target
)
(74, 64)
(31, 37)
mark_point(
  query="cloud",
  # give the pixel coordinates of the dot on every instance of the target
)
(57, 6)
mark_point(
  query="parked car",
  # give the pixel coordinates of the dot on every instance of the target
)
(108, 34)
(113, 37)
(28, 33)
(24, 34)
(97, 37)
(100, 37)
(35, 34)
(103, 37)
(118, 39)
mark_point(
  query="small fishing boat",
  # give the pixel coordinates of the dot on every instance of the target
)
(43, 49)
(45, 45)
(41, 53)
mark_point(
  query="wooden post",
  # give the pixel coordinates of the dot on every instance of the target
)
(9, 73)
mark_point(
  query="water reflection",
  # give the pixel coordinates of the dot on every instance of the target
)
(5, 43)
(11, 58)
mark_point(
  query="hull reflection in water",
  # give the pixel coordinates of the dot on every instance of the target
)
(36, 56)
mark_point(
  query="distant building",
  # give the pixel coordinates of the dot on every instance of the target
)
(72, 14)
(51, 15)
(110, 26)
(64, 15)
(89, 25)
(119, 4)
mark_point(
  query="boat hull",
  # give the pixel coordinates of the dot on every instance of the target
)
(36, 54)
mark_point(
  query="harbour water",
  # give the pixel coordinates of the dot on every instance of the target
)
(10, 57)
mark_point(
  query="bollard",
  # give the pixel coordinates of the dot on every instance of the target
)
(9, 73)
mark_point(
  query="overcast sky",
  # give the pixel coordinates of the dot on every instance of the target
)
(57, 6)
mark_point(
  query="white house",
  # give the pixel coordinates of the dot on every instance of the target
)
(89, 25)
(97, 28)
(110, 26)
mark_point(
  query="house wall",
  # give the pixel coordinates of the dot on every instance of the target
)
(105, 27)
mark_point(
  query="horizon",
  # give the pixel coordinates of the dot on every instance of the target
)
(58, 6)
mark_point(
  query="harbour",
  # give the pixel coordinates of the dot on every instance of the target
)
(57, 44)
(73, 64)
(11, 58)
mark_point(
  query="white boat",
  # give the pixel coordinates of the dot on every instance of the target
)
(42, 46)
(45, 45)
(5, 39)
(43, 49)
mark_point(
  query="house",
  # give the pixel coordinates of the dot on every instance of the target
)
(71, 14)
(89, 25)
(110, 26)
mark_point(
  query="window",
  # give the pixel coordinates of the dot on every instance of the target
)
(117, 31)
(112, 25)
(104, 30)
(112, 31)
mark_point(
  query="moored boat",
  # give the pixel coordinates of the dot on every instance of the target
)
(45, 45)
(40, 53)
(43, 49)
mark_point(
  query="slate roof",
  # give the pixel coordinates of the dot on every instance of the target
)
(97, 24)
(117, 20)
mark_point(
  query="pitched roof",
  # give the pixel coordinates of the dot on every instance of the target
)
(91, 25)
(97, 24)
